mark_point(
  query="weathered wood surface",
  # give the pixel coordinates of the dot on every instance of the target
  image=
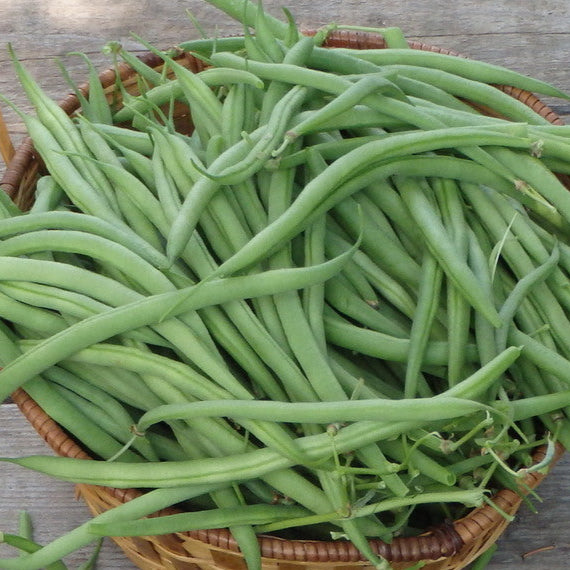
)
(525, 35)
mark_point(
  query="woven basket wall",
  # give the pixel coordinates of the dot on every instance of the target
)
(449, 547)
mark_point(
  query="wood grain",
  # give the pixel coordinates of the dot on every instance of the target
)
(526, 35)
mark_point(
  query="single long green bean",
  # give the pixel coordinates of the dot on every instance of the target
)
(215, 518)
(316, 412)
(427, 304)
(521, 289)
(342, 333)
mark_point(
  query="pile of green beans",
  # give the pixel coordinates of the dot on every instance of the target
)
(338, 307)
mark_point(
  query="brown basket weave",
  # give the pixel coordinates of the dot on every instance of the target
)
(449, 547)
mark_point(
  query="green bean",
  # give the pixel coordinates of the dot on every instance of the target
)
(239, 319)
(377, 217)
(530, 238)
(315, 412)
(97, 108)
(124, 385)
(419, 461)
(335, 84)
(335, 488)
(60, 125)
(428, 301)
(297, 330)
(314, 196)
(542, 182)
(543, 357)
(358, 116)
(184, 380)
(25, 525)
(44, 322)
(233, 114)
(164, 93)
(67, 416)
(89, 431)
(136, 219)
(97, 145)
(71, 418)
(269, 350)
(265, 38)
(457, 117)
(227, 442)
(343, 102)
(370, 384)
(356, 387)
(218, 438)
(193, 384)
(530, 407)
(105, 423)
(521, 289)
(427, 91)
(138, 164)
(329, 150)
(68, 304)
(313, 298)
(484, 331)
(458, 322)
(135, 140)
(387, 286)
(379, 345)
(63, 220)
(216, 518)
(470, 497)
(230, 500)
(339, 296)
(197, 93)
(91, 245)
(47, 196)
(222, 497)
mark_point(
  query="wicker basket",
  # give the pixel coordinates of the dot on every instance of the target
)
(449, 547)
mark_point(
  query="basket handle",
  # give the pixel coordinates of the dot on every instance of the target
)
(6, 146)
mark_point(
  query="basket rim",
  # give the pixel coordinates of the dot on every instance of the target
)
(443, 541)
